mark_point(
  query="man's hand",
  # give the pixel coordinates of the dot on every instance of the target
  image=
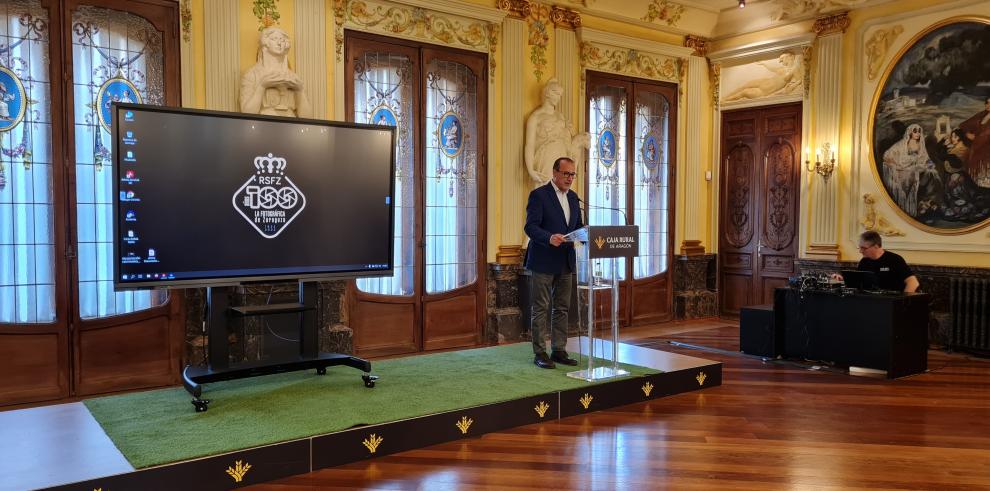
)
(557, 239)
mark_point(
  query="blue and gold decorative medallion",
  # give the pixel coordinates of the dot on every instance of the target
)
(606, 147)
(117, 89)
(384, 116)
(450, 133)
(651, 151)
(13, 102)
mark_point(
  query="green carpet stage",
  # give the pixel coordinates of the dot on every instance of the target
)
(265, 428)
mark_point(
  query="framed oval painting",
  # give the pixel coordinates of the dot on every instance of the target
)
(606, 147)
(12, 100)
(117, 89)
(931, 128)
(451, 134)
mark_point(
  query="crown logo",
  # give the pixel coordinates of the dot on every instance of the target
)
(541, 408)
(372, 442)
(586, 400)
(238, 471)
(701, 378)
(600, 241)
(270, 164)
(464, 424)
(647, 388)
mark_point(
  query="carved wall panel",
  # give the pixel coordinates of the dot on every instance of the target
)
(779, 227)
(742, 261)
(739, 188)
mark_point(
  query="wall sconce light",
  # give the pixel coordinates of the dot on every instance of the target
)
(819, 167)
(742, 3)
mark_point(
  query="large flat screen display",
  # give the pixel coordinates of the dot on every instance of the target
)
(210, 198)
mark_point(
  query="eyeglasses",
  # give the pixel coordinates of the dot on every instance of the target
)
(915, 130)
(568, 174)
(867, 247)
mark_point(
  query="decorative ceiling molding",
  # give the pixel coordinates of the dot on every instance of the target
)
(451, 23)
(596, 36)
(793, 9)
(760, 51)
(626, 55)
(459, 8)
(630, 62)
(832, 24)
(698, 44)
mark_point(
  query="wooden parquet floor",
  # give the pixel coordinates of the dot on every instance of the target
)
(769, 426)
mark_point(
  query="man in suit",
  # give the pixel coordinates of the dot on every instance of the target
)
(553, 210)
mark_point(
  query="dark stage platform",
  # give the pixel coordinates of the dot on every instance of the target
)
(63, 447)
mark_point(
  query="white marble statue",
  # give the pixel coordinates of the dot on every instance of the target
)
(548, 137)
(270, 87)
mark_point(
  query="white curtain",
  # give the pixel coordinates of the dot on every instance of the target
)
(27, 243)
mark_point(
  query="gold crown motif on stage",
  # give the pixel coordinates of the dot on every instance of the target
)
(701, 378)
(269, 164)
(600, 241)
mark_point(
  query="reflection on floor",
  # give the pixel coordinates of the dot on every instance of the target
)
(768, 426)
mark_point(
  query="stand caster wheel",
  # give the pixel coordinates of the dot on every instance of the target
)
(369, 380)
(201, 405)
(321, 371)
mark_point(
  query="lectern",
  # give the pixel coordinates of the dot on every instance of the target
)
(598, 274)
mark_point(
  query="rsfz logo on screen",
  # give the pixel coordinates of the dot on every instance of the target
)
(269, 200)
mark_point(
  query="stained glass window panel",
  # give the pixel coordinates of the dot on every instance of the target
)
(651, 163)
(383, 94)
(451, 176)
(27, 242)
(608, 180)
(116, 56)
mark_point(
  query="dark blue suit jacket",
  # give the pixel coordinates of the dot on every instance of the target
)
(545, 217)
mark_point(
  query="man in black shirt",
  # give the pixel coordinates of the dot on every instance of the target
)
(892, 271)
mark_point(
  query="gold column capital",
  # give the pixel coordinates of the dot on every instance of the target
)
(698, 43)
(831, 24)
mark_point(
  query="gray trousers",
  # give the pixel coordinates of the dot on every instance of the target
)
(547, 288)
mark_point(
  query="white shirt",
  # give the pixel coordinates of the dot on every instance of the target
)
(562, 197)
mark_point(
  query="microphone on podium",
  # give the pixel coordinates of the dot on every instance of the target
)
(625, 218)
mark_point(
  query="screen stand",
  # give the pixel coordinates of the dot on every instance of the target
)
(218, 319)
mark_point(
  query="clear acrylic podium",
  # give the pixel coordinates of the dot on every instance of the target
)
(599, 249)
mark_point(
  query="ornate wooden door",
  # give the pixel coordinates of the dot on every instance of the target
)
(758, 202)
